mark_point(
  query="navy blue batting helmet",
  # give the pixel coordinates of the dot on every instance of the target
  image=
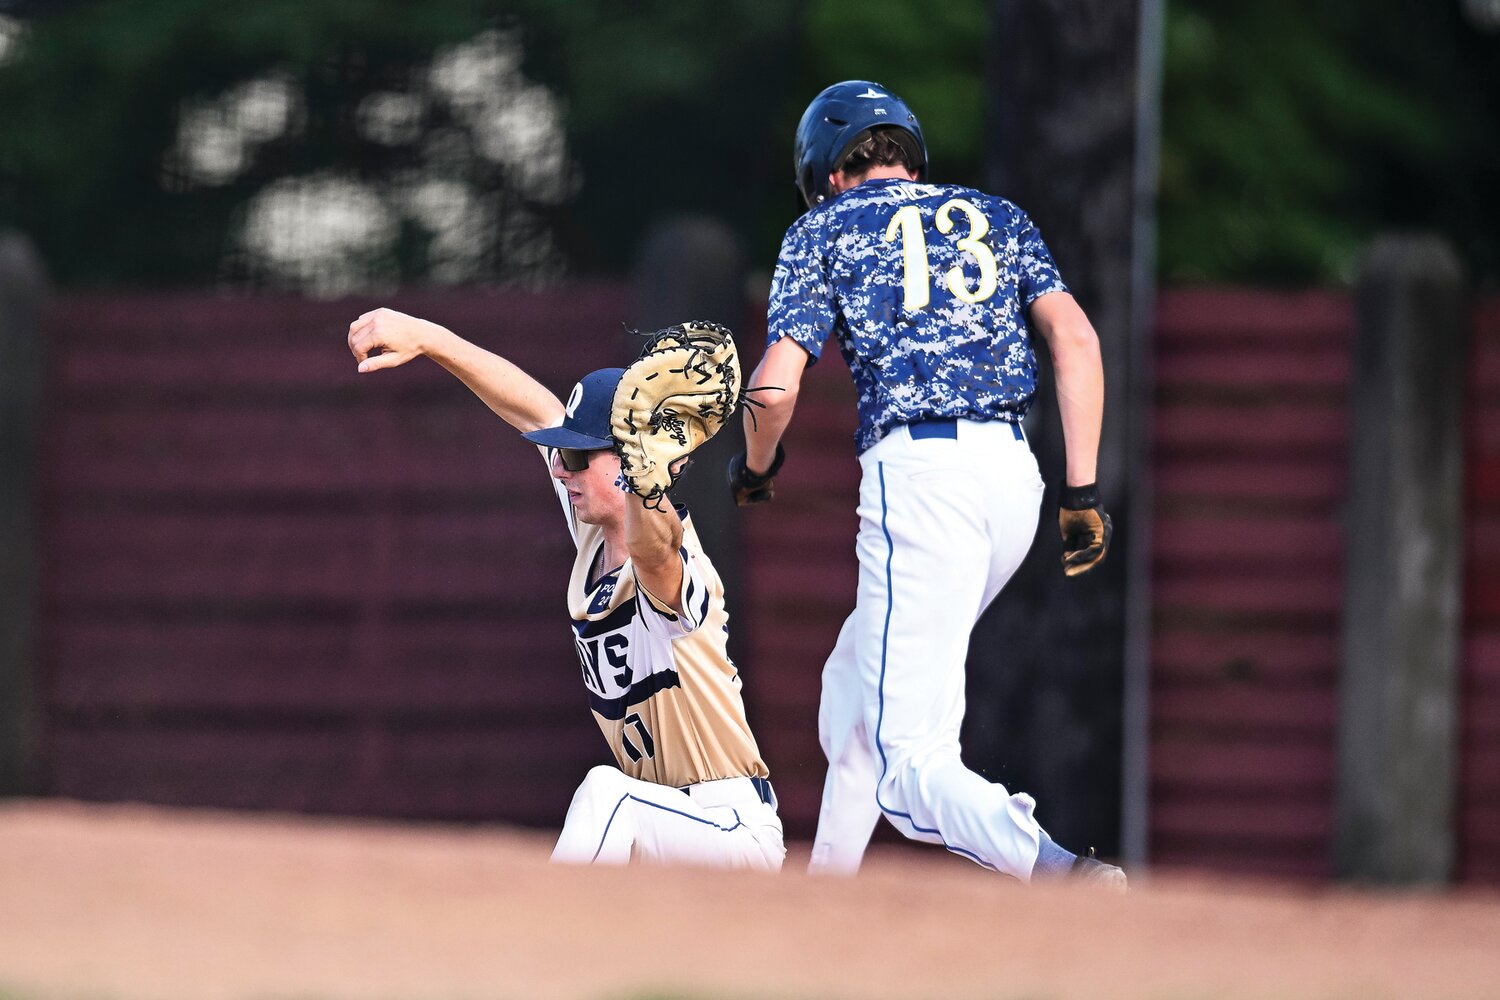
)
(837, 120)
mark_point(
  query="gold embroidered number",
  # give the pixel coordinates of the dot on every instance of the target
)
(907, 224)
(978, 226)
(914, 292)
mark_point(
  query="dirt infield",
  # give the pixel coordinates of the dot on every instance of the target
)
(135, 902)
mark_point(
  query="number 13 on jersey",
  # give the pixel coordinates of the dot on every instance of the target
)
(906, 225)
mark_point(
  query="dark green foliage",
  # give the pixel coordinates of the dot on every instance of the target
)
(1294, 132)
(672, 107)
(91, 106)
(931, 54)
(1291, 132)
(666, 108)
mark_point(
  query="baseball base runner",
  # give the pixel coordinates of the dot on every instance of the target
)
(933, 292)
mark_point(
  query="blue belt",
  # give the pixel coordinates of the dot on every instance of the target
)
(762, 788)
(947, 428)
(765, 791)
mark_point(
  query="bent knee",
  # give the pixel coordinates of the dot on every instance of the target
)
(603, 781)
(897, 783)
(907, 773)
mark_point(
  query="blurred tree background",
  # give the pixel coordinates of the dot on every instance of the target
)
(345, 145)
(358, 144)
(1293, 132)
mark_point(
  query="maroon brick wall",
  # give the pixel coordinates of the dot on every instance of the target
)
(1250, 450)
(1479, 714)
(269, 583)
(802, 574)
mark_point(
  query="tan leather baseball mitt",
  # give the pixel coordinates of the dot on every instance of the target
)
(676, 395)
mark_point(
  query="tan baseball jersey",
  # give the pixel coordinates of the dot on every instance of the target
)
(661, 685)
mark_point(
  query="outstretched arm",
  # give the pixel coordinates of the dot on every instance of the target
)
(1079, 371)
(385, 338)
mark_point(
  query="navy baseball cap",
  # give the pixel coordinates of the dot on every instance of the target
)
(586, 425)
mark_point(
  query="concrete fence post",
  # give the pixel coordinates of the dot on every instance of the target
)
(22, 293)
(693, 267)
(1403, 567)
(1057, 663)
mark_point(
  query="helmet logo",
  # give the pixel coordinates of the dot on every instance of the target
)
(880, 111)
(872, 92)
(574, 398)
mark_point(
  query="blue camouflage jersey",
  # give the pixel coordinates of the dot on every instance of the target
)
(927, 287)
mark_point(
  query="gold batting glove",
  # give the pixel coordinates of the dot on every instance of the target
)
(748, 487)
(1086, 529)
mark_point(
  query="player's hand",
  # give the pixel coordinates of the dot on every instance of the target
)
(1086, 529)
(385, 338)
(749, 487)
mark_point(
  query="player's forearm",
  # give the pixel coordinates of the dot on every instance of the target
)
(779, 376)
(385, 338)
(1079, 373)
(763, 431)
(1079, 370)
(653, 538)
(515, 396)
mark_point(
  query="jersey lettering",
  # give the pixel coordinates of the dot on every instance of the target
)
(906, 225)
(588, 657)
(606, 663)
(647, 747)
(616, 651)
(973, 245)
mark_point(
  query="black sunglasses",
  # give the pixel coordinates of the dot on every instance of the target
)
(576, 459)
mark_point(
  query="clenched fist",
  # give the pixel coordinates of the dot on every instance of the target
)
(385, 338)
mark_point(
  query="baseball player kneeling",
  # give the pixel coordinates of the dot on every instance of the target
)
(646, 605)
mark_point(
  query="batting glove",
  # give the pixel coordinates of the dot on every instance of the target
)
(1086, 529)
(748, 487)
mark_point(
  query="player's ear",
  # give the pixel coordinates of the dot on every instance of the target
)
(836, 182)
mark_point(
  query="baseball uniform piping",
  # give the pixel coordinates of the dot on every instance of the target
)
(890, 604)
(647, 802)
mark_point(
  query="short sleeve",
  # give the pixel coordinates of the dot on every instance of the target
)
(658, 616)
(1038, 272)
(801, 305)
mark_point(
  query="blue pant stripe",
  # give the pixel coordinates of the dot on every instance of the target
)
(890, 603)
(605, 835)
(656, 805)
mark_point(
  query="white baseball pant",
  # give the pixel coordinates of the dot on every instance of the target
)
(944, 523)
(615, 819)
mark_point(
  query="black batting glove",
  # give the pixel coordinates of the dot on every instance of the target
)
(748, 487)
(1085, 527)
